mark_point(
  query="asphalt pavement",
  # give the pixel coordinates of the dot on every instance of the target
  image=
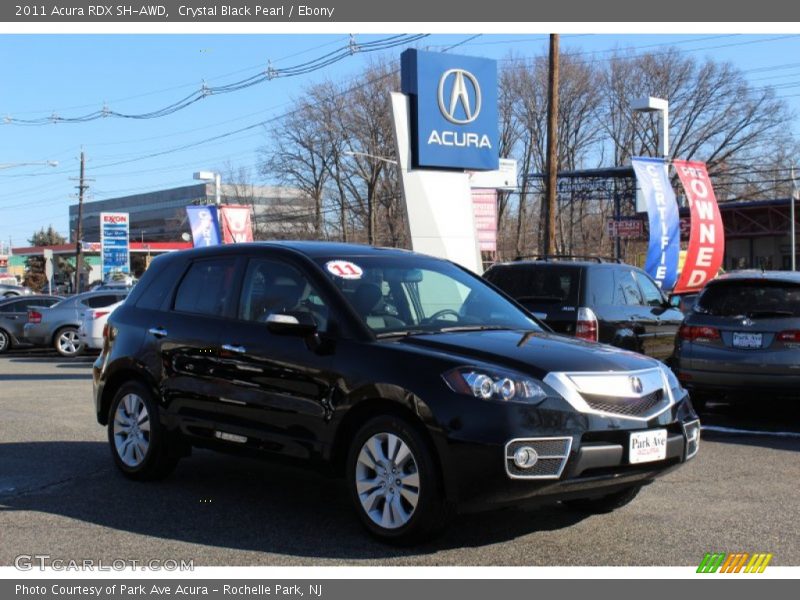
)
(60, 495)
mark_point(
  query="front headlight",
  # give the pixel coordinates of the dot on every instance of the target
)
(495, 384)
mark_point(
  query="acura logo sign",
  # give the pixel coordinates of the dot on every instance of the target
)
(465, 93)
(636, 385)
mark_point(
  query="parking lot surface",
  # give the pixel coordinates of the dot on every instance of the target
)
(61, 495)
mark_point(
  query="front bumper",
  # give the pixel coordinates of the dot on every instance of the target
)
(597, 461)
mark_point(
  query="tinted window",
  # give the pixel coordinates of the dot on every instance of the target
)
(767, 298)
(153, 291)
(272, 287)
(12, 307)
(600, 290)
(205, 288)
(101, 300)
(651, 292)
(538, 284)
(626, 291)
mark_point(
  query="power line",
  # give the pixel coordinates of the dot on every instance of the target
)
(205, 90)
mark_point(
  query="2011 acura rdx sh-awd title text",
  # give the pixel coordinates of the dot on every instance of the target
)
(428, 388)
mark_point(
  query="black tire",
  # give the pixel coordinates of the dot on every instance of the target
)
(432, 512)
(604, 504)
(5, 342)
(157, 461)
(61, 347)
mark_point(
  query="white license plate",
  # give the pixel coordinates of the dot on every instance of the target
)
(747, 340)
(647, 446)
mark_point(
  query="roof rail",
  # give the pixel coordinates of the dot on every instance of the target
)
(568, 257)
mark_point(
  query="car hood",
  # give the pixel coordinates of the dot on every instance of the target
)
(535, 353)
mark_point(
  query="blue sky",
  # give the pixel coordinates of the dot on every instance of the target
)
(75, 74)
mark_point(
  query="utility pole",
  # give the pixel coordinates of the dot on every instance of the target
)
(79, 229)
(551, 168)
(792, 232)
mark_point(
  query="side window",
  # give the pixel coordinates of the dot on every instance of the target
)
(271, 286)
(651, 292)
(12, 307)
(601, 287)
(205, 288)
(100, 301)
(153, 296)
(626, 290)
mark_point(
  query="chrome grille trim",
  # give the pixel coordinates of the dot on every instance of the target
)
(563, 456)
(572, 386)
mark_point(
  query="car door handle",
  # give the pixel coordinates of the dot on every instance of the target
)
(235, 349)
(158, 332)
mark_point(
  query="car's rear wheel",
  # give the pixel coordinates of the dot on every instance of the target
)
(604, 504)
(67, 342)
(394, 481)
(139, 444)
(5, 342)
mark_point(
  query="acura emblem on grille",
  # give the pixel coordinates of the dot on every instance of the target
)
(636, 384)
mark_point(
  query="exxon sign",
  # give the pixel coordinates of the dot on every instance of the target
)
(453, 110)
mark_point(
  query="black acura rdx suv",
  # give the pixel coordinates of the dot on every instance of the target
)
(428, 388)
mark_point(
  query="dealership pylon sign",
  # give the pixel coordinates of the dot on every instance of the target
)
(453, 110)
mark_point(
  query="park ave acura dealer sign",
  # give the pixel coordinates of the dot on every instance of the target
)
(453, 110)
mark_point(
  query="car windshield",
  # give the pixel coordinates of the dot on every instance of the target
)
(408, 295)
(750, 298)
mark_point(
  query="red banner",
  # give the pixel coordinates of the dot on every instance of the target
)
(236, 226)
(707, 235)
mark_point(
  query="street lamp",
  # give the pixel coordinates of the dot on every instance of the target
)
(211, 176)
(41, 163)
(648, 104)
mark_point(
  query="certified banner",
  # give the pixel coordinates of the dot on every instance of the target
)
(707, 235)
(662, 212)
(236, 226)
(204, 224)
(115, 243)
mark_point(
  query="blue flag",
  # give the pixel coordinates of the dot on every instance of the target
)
(664, 247)
(205, 225)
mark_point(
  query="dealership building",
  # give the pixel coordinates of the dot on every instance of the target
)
(160, 216)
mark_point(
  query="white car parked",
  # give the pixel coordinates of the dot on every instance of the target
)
(93, 321)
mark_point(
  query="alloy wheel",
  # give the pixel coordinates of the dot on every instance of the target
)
(132, 430)
(387, 480)
(68, 342)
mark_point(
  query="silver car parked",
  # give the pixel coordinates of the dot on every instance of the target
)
(58, 325)
(741, 341)
(14, 315)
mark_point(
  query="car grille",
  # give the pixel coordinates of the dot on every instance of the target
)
(629, 407)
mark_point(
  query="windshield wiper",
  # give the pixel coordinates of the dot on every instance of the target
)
(404, 333)
(472, 328)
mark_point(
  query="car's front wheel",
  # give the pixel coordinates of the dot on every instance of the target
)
(67, 342)
(394, 481)
(604, 504)
(139, 444)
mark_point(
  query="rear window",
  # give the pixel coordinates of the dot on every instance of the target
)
(538, 284)
(750, 298)
(205, 288)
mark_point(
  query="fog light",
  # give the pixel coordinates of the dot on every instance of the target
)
(525, 457)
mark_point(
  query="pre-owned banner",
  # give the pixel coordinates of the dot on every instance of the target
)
(707, 235)
(204, 224)
(236, 226)
(662, 212)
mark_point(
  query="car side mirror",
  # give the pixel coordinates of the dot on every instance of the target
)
(295, 323)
